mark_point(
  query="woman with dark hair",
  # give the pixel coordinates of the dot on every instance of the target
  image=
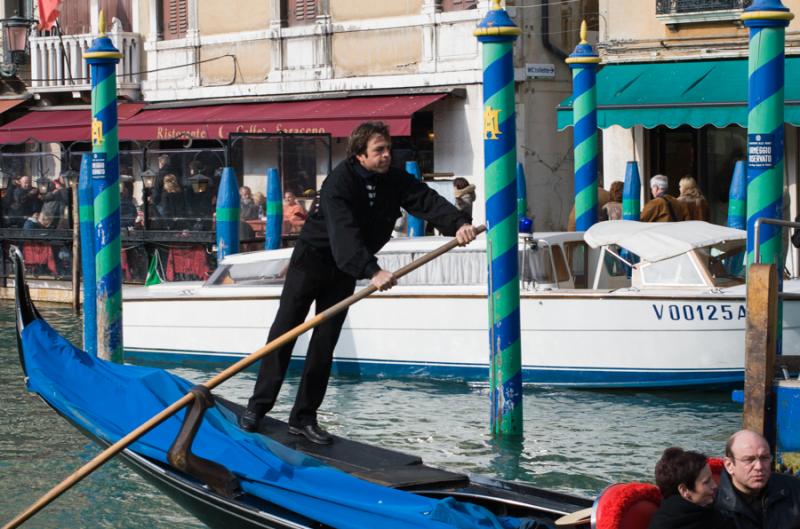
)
(688, 489)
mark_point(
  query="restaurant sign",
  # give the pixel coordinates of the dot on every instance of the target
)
(221, 132)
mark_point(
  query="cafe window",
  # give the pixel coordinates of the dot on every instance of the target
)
(708, 155)
(174, 19)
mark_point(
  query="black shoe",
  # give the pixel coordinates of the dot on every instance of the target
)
(248, 420)
(313, 433)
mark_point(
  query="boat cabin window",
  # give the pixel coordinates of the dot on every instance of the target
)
(578, 259)
(678, 270)
(562, 271)
(269, 272)
(725, 263)
(544, 265)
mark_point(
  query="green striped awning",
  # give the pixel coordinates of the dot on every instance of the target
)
(694, 93)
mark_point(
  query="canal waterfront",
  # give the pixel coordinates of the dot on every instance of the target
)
(575, 441)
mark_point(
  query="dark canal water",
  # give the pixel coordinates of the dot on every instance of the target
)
(575, 441)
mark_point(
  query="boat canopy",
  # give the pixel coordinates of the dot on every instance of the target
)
(656, 241)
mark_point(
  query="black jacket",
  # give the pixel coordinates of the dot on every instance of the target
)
(781, 504)
(353, 231)
(678, 513)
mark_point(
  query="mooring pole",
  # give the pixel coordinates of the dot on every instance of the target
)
(103, 58)
(415, 227)
(497, 33)
(583, 62)
(228, 203)
(86, 203)
(737, 198)
(631, 193)
(767, 21)
(274, 224)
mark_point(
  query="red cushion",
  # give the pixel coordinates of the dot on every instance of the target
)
(626, 506)
(716, 465)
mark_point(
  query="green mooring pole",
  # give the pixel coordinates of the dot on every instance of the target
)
(767, 21)
(103, 58)
(497, 33)
(583, 62)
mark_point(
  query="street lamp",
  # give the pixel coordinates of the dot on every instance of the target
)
(43, 183)
(16, 30)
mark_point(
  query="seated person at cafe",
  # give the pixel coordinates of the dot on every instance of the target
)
(294, 214)
(25, 200)
(248, 209)
(127, 205)
(172, 206)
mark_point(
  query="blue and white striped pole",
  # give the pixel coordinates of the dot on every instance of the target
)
(415, 226)
(227, 214)
(86, 216)
(497, 33)
(103, 58)
(274, 224)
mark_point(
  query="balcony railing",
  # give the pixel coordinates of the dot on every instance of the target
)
(57, 64)
(677, 7)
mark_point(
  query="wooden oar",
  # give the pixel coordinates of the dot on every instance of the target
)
(123, 443)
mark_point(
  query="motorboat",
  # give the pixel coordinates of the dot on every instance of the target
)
(625, 304)
(264, 479)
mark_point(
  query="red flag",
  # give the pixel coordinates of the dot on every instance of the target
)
(48, 12)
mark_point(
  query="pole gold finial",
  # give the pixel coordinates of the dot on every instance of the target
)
(496, 5)
(101, 23)
(583, 32)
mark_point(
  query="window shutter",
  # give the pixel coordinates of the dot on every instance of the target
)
(175, 18)
(302, 12)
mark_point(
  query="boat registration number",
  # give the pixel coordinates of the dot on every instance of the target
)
(699, 312)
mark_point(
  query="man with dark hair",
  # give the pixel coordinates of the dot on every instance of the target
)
(359, 203)
(748, 490)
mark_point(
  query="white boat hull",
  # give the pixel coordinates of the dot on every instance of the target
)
(574, 338)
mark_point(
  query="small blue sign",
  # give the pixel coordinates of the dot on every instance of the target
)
(760, 148)
(98, 165)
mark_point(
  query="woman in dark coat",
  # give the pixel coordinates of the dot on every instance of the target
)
(688, 490)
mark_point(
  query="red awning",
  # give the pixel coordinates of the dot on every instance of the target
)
(58, 125)
(335, 116)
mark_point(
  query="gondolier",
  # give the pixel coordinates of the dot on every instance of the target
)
(359, 203)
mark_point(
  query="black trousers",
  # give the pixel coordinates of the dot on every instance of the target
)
(312, 277)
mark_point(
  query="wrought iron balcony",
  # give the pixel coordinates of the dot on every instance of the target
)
(678, 7)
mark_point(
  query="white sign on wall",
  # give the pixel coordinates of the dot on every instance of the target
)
(540, 71)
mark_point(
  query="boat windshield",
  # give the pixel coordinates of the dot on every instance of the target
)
(268, 272)
(675, 271)
(725, 263)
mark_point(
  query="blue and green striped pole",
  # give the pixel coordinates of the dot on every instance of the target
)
(274, 224)
(497, 33)
(583, 62)
(522, 192)
(631, 192)
(415, 226)
(227, 214)
(767, 21)
(737, 198)
(103, 58)
(86, 216)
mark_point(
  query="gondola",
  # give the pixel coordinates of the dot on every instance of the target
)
(271, 479)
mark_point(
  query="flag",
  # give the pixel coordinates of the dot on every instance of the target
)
(48, 13)
(153, 277)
